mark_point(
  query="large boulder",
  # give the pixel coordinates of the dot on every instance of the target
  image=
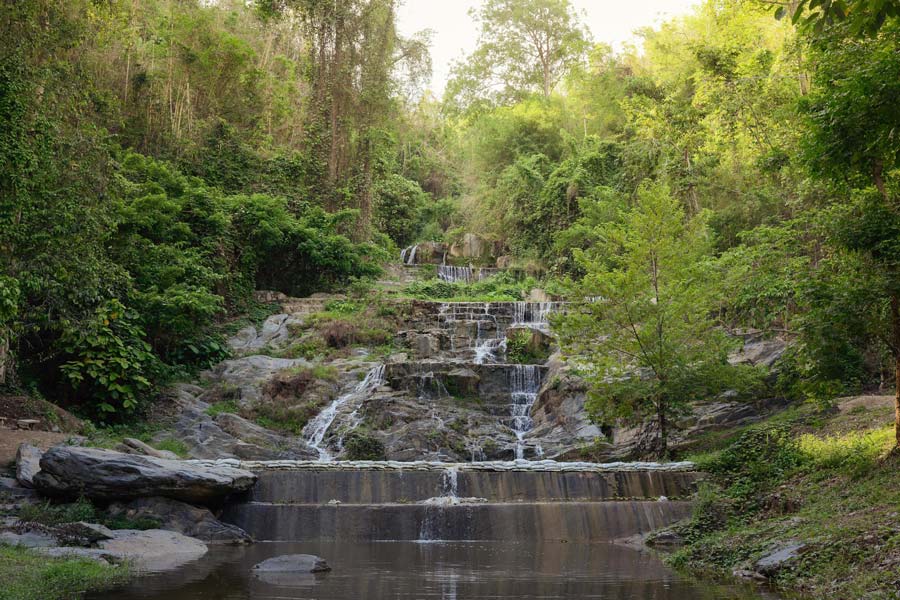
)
(471, 246)
(183, 518)
(28, 459)
(135, 446)
(71, 471)
(153, 549)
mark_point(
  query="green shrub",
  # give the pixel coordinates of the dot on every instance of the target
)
(521, 350)
(362, 446)
(109, 362)
(760, 458)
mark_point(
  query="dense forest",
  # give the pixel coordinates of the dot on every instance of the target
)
(163, 159)
(176, 173)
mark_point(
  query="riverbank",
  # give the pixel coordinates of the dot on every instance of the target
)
(27, 575)
(808, 501)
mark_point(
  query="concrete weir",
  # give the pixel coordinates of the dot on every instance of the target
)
(514, 501)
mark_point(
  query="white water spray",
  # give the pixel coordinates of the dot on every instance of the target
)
(315, 430)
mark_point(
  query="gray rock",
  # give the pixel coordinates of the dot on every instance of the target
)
(95, 554)
(774, 562)
(665, 537)
(105, 474)
(28, 459)
(135, 446)
(29, 539)
(83, 534)
(275, 331)
(183, 518)
(293, 563)
(154, 549)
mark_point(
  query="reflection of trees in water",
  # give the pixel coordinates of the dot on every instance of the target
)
(445, 571)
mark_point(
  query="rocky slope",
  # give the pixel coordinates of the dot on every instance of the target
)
(387, 378)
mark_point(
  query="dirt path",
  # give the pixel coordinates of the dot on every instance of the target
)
(11, 438)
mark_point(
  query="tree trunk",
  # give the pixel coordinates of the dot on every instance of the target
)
(878, 177)
(663, 429)
(895, 321)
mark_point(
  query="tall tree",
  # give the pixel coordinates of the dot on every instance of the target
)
(647, 343)
(852, 120)
(525, 46)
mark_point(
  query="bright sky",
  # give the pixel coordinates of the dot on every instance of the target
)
(610, 21)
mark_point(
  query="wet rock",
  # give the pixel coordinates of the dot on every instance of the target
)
(135, 446)
(463, 382)
(153, 549)
(105, 474)
(183, 518)
(424, 345)
(204, 437)
(785, 556)
(28, 460)
(293, 563)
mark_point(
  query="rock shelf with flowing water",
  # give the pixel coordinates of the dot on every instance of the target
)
(427, 501)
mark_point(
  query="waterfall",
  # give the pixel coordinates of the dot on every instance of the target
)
(430, 387)
(315, 430)
(524, 384)
(408, 255)
(452, 274)
(534, 314)
(489, 349)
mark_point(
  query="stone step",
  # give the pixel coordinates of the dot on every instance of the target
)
(524, 521)
(398, 487)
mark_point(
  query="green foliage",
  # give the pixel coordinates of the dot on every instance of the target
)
(360, 445)
(82, 510)
(648, 343)
(9, 299)
(108, 359)
(504, 287)
(756, 461)
(521, 350)
(524, 46)
(223, 406)
(399, 207)
(31, 576)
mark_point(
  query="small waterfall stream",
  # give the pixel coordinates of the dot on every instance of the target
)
(524, 384)
(315, 430)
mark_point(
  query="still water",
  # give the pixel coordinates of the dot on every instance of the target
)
(445, 570)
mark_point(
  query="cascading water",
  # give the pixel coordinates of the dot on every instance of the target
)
(408, 255)
(524, 384)
(453, 274)
(315, 430)
(534, 314)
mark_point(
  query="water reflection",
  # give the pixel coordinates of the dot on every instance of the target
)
(449, 571)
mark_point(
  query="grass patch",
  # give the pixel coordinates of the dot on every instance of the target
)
(30, 576)
(793, 478)
(110, 436)
(223, 406)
